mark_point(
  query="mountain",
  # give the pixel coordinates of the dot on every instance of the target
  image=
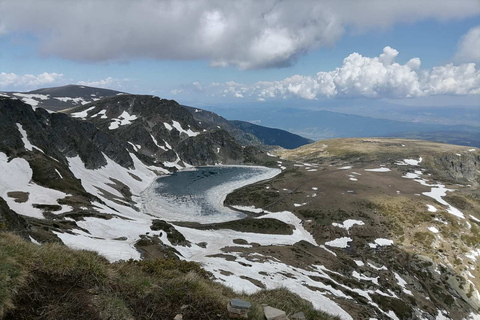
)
(61, 98)
(161, 129)
(247, 133)
(73, 96)
(272, 137)
(322, 124)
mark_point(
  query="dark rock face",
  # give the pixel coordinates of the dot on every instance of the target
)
(462, 168)
(10, 221)
(210, 148)
(211, 121)
(154, 131)
(58, 136)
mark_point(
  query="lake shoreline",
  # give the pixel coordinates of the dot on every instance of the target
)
(171, 210)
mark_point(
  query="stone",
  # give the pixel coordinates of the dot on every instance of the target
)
(238, 308)
(274, 313)
(298, 316)
(240, 304)
(178, 317)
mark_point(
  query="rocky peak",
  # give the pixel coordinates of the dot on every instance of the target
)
(160, 130)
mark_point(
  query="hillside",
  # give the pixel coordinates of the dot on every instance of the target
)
(395, 214)
(54, 282)
(272, 137)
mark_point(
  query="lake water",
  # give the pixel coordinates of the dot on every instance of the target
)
(198, 195)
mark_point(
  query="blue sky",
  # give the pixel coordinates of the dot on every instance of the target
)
(169, 64)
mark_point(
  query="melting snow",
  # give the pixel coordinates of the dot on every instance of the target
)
(347, 224)
(188, 132)
(74, 100)
(299, 204)
(100, 113)
(30, 98)
(124, 119)
(378, 170)
(82, 114)
(359, 263)
(339, 243)
(433, 229)
(16, 175)
(381, 242)
(409, 162)
(437, 192)
(25, 140)
(402, 283)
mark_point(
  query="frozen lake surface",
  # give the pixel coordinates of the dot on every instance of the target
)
(198, 195)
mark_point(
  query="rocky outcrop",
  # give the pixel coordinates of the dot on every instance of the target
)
(10, 221)
(461, 168)
(211, 148)
(58, 136)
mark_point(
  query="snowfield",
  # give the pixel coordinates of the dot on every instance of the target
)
(16, 176)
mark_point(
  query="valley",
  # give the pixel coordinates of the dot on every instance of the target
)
(382, 228)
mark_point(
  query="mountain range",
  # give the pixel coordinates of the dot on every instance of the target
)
(72, 96)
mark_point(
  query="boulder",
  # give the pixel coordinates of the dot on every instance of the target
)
(238, 308)
(274, 314)
(298, 316)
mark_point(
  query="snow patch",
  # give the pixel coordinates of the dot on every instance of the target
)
(339, 243)
(383, 169)
(124, 119)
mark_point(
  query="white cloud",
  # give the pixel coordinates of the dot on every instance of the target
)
(359, 76)
(14, 81)
(109, 83)
(469, 46)
(246, 34)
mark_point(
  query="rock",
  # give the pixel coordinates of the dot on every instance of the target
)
(274, 314)
(178, 317)
(238, 308)
(298, 316)
(240, 304)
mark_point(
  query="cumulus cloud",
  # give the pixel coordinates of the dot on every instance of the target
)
(359, 76)
(12, 80)
(245, 34)
(469, 46)
(108, 83)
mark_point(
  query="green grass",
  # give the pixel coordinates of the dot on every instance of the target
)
(54, 282)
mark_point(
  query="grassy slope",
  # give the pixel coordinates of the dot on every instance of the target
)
(367, 149)
(54, 282)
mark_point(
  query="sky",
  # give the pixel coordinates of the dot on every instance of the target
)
(208, 52)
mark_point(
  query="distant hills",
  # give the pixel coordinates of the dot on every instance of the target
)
(318, 125)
